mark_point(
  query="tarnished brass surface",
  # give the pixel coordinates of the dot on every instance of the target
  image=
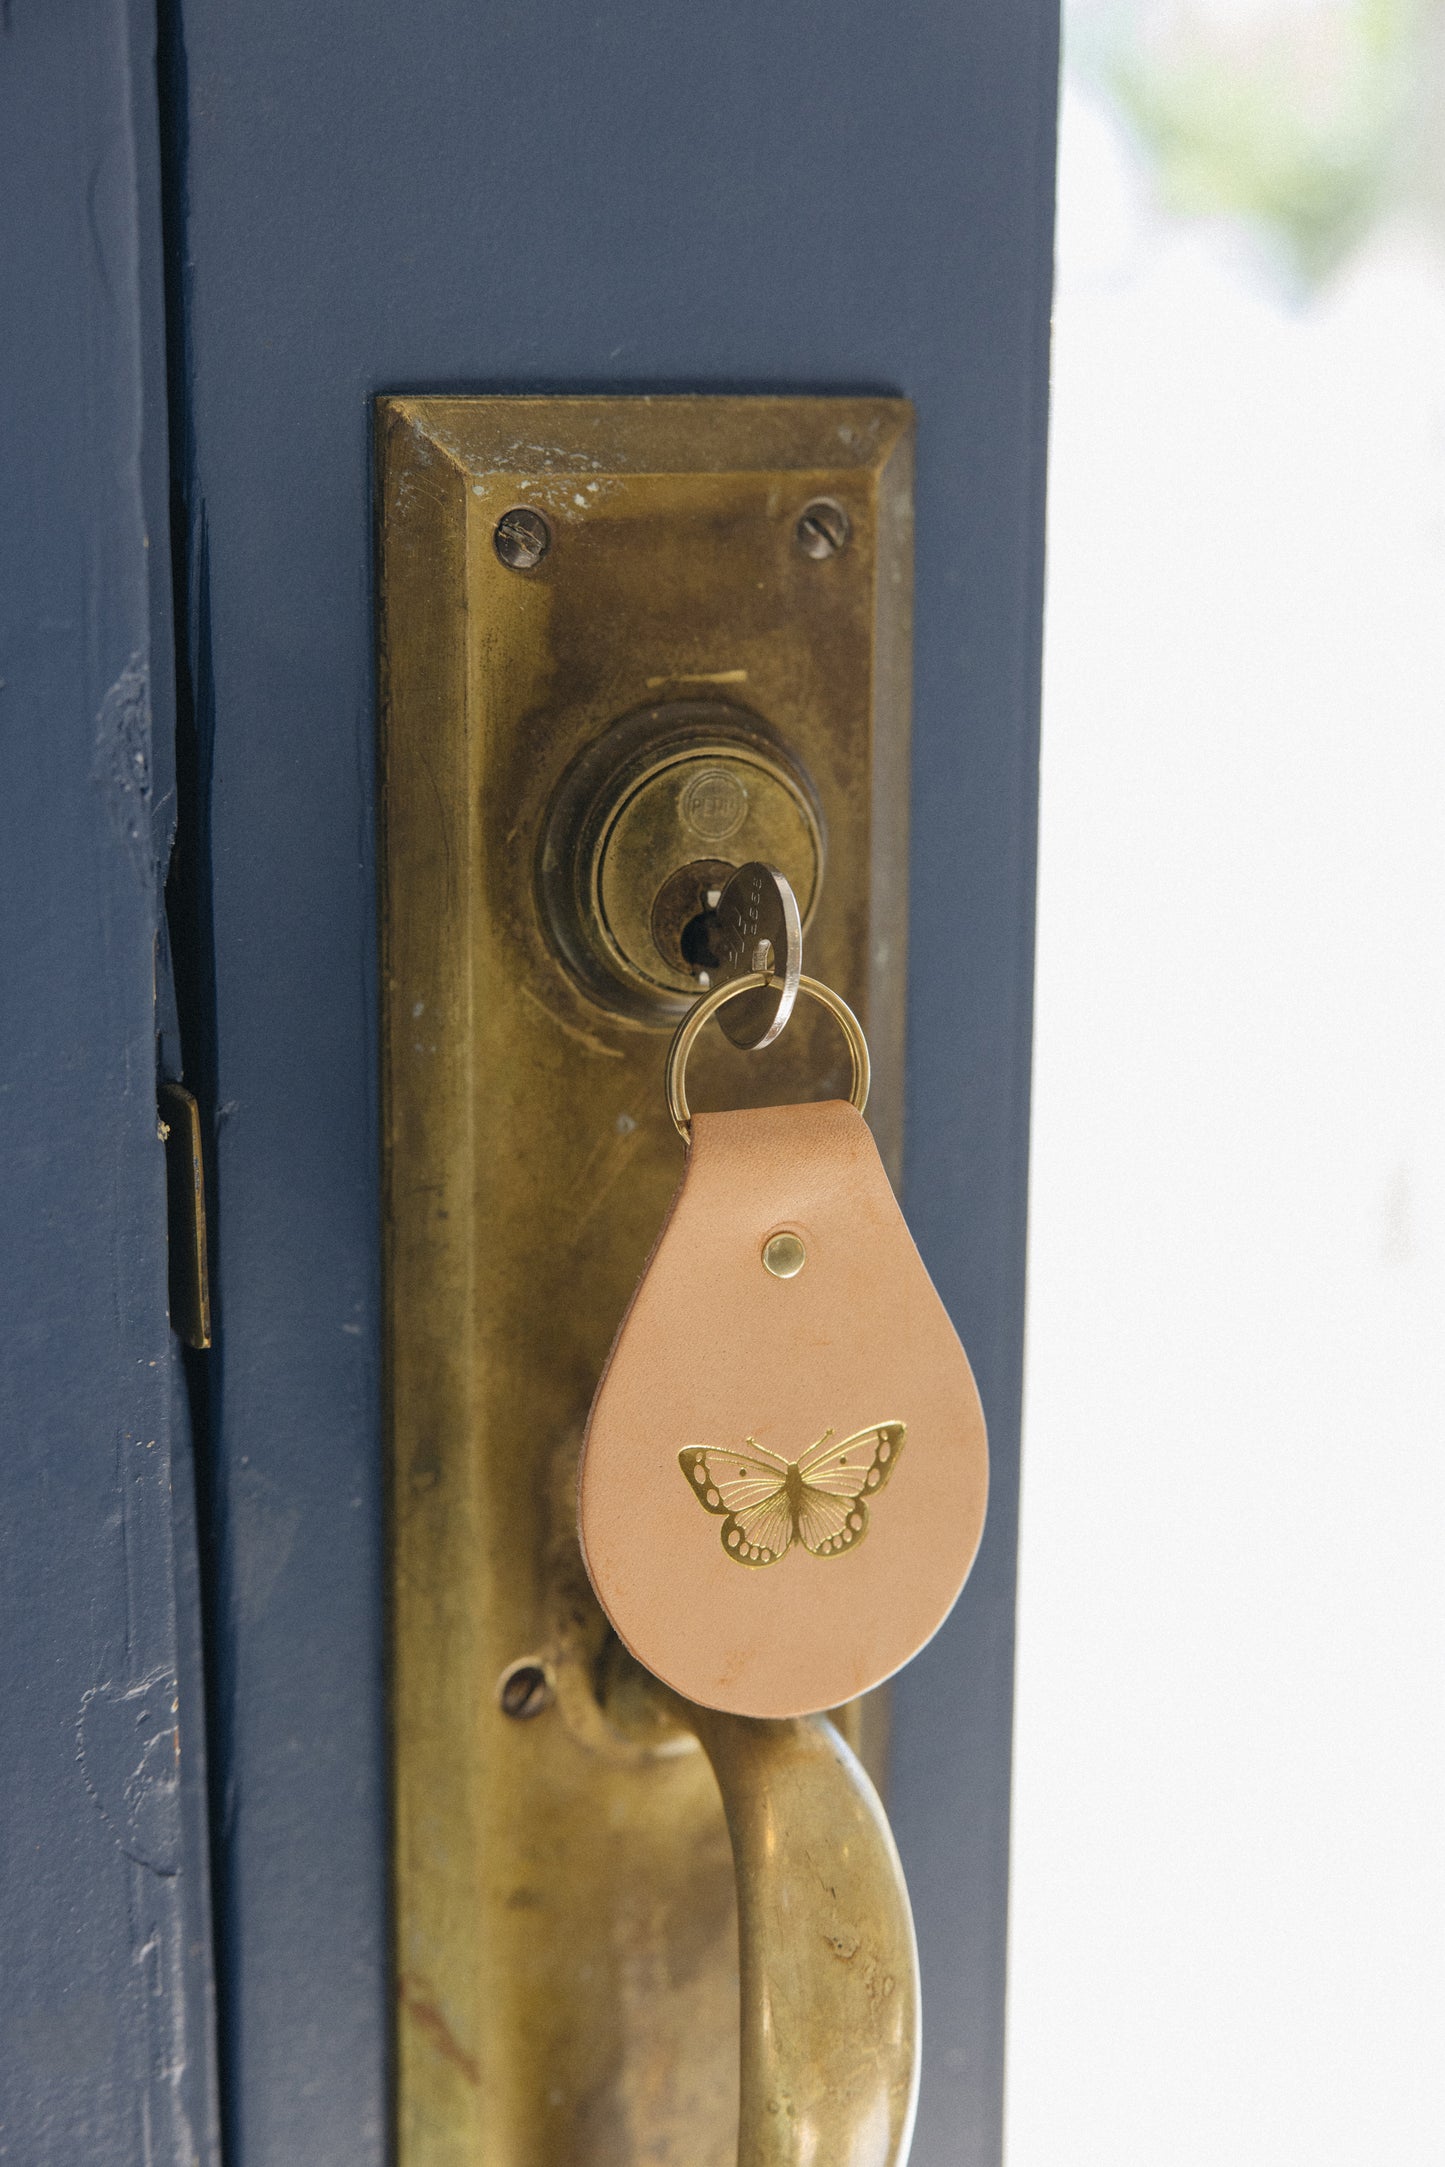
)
(565, 1926)
(700, 804)
(190, 1275)
(829, 1990)
(829, 1987)
(687, 783)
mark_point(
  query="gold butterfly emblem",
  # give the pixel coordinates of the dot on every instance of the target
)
(766, 1502)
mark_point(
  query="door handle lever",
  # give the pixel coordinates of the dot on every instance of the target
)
(829, 1999)
(829, 1987)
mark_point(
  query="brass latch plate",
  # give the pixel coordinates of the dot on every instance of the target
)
(621, 640)
(179, 1120)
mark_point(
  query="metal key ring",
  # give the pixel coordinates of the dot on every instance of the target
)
(696, 1018)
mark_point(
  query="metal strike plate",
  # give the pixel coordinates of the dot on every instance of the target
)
(626, 644)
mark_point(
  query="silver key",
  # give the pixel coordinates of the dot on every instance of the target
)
(758, 928)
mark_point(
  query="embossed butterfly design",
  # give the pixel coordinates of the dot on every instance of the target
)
(766, 1503)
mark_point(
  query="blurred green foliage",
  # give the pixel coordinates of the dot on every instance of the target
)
(1294, 117)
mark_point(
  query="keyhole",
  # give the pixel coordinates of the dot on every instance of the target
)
(683, 926)
(696, 940)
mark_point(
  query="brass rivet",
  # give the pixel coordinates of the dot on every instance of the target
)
(784, 1256)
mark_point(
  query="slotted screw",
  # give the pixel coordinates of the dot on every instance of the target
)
(522, 539)
(524, 1691)
(822, 529)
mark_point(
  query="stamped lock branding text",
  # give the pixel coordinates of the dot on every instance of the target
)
(714, 805)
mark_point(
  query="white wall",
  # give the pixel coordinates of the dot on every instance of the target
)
(1228, 1909)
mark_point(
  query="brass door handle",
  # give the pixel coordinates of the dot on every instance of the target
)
(829, 2004)
(829, 1999)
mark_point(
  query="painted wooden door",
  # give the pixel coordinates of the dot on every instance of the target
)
(227, 229)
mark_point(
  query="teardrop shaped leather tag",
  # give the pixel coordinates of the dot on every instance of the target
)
(785, 1470)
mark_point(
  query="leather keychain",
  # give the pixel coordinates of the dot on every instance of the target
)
(785, 1470)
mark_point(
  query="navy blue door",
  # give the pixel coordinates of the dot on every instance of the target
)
(229, 229)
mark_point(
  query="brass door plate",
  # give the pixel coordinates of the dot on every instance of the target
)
(695, 633)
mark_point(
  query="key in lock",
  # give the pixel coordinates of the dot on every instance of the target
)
(643, 839)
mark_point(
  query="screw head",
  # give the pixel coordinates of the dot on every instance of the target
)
(522, 539)
(822, 529)
(525, 1689)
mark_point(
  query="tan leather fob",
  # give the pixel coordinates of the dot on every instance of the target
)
(785, 1470)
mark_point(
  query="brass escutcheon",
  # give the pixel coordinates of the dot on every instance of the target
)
(565, 1902)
